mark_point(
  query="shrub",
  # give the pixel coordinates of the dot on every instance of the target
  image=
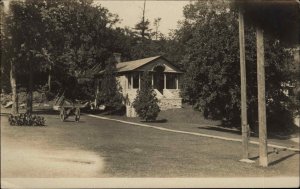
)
(146, 103)
(26, 120)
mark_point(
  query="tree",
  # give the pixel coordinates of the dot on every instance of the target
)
(61, 39)
(146, 103)
(110, 91)
(211, 60)
(143, 26)
(156, 24)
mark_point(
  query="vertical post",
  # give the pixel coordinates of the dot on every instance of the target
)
(165, 81)
(139, 80)
(131, 78)
(177, 82)
(263, 148)
(244, 121)
(152, 80)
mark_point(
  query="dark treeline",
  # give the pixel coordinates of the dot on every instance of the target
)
(54, 42)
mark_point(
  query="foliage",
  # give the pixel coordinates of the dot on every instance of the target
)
(110, 94)
(146, 103)
(211, 60)
(62, 38)
(26, 120)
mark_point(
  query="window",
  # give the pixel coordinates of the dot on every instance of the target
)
(171, 81)
(129, 81)
(135, 79)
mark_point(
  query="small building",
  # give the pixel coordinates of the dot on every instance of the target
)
(165, 81)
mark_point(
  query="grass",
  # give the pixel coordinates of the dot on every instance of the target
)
(131, 151)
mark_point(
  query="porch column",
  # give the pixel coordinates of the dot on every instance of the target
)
(131, 79)
(165, 81)
(177, 82)
(139, 80)
(152, 80)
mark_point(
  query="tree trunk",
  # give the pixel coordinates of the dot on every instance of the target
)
(13, 84)
(29, 91)
(49, 79)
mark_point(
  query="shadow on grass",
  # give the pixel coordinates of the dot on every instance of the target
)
(282, 159)
(221, 130)
(155, 121)
(278, 160)
(72, 121)
(256, 157)
(46, 112)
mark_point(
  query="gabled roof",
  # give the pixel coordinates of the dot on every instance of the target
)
(132, 65)
(96, 70)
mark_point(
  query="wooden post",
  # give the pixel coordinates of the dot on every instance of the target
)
(244, 121)
(263, 148)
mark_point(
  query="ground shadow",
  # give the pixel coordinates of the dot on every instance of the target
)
(155, 121)
(256, 157)
(221, 130)
(282, 159)
(278, 160)
(73, 121)
(46, 112)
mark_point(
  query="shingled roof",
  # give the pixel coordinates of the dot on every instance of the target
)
(132, 65)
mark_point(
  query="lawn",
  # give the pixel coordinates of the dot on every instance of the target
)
(101, 148)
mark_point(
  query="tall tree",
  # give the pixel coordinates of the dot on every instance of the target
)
(156, 24)
(110, 91)
(143, 27)
(212, 65)
(61, 38)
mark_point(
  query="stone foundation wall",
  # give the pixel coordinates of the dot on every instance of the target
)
(167, 103)
(175, 92)
(164, 103)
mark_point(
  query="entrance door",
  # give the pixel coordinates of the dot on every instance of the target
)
(158, 78)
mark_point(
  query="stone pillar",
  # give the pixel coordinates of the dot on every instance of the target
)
(177, 82)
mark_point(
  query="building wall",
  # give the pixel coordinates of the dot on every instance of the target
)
(168, 100)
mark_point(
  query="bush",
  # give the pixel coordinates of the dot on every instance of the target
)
(26, 120)
(146, 103)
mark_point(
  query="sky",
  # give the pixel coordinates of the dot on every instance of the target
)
(130, 12)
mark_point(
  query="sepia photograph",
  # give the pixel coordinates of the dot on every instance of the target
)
(150, 93)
